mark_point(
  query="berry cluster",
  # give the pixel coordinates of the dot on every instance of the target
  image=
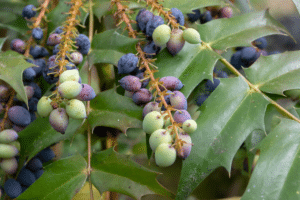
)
(209, 14)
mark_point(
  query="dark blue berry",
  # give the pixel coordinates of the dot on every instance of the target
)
(201, 98)
(41, 63)
(34, 164)
(151, 50)
(248, 56)
(24, 188)
(37, 89)
(206, 17)
(236, 60)
(32, 103)
(58, 30)
(28, 11)
(37, 33)
(178, 15)
(70, 66)
(29, 74)
(38, 173)
(211, 86)
(261, 43)
(18, 45)
(46, 155)
(48, 74)
(127, 63)
(26, 177)
(19, 116)
(38, 52)
(142, 96)
(142, 19)
(32, 116)
(83, 43)
(145, 82)
(194, 16)
(12, 188)
(152, 24)
(220, 73)
(55, 49)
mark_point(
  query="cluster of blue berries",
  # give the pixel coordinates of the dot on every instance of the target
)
(209, 14)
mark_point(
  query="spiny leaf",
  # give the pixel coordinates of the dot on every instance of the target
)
(61, 180)
(227, 117)
(124, 175)
(116, 111)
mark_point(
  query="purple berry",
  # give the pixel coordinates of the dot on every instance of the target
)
(59, 120)
(76, 57)
(176, 42)
(37, 33)
(29, 11)
(58, 30)
(186, 148)
(142, 19)
(178, 15)
(151, 49)
(87, 93)
(53, 39)
(130, 83)
(127, 63)
(145, 82)
(171, 83)
(178, 100)
(4, 92)
(9, 165)
(18, 45)
(181, 116)
(226, 12)
(19, 116)
(142, 96)
(151, 106)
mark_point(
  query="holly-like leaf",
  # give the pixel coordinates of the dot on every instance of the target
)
(126, 176)
(276, 174)
(12, 65)
(276, 73)
(101, 8)
(110, 46)
(116, 111)
(61, 180)
(227, 117)
(2, 41)
(19, 25)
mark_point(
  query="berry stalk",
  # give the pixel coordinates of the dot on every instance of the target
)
(8, 105)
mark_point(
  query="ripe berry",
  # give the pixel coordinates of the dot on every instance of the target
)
(142, 96)
(226, 12)
(152, 24)
(39, 173)
(26, 177)
(9, 165)
(12, 188)
(59, 120)
(158, 137)
(29, 93)
(211, 86)
(8, 151)
(142, 19)
(248, 56)
(151, 49)
(69, 89)
(44, 107)
(152, 122)
(151, 106)
(69, 75)
(206, 17)
(41, 64)
(29, 74)
(236, 60)
(29, 11)
(189, 126)
(261, 43)
(145, 82)
(186, 148)
(165, 155)
(38, 52)
(76, 109)
(48, 74)
(127, 63)
(191, 36)
(178, 15)
(178, 100)
(181, 116)
(34, 164)
(18, 45)
(176, 42)
(87, 93)
(55, 49)
(194, 16)
(37, 33)
(171, 83)
(161, 35)
(76, 57)
(46, 155)
(53, 39)
(130, 83)
(58, 30)
(83, 43)
(19, 116)
(8, 136)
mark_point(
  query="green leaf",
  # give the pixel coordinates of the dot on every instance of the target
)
(276, 73)
(101, 8)
(297, 4)
(227, 117)
(2, 41)
(19, 25)
(116, 111)
(61, 180)
(110, 46)
(298, 111)
(276, 175)
(12, 65)
(240, 30)
(124, 175)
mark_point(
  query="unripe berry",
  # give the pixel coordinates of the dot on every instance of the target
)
(76, 109)
(9, 165)
(44, 107)
(189, 126)
(87, 93)
(29, 93)
(130, 83)
(152, 122)
(161, 35)
(178, 100)
(142, 96)
(4, 92)
(151, 106)
(192, 36)
(16, 144)
(226, 12)
(158, 137)
(165, 155)
(69, 89)
(76, 57)
(8, 151)
(171, 83)
(69, 75)
(186, 148)
(59, 120)
(181, 116)
(176, 42)
(8, 135)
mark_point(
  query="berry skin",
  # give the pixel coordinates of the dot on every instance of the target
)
(142, 96)
(58, 30)
(12, 188)
(26, 177)
(37, 33)
(220, 73)
(181, 116)
(39, 173)
(44, 107)
(161, 35)
(46, 155)
(152, 122)
(76, 57)
(59, 120)
(41, 63)
(9, 165)
(151, 49)
(176, 42)
(211, 86)
(178, 100)
(145, 82)
(261, 43)
(171, 83)
(151, 106)
(186, 148)
(158, 137)
(142, 19)
(127, 63)
(69, 75)
(8, 136)
(83, 43)
(29, 11)
(16, 144)
(53, 39)
(130, 83)
(76, 109)
(38, 52)
(152, 24)
(226, 12)
(34, 164)
(29, 74)
(178, 15)
(29, 93)
(18, 45)
(192, 36)
(55, 49)
(206, 17)
(19, 116)
(236, 60)
(69, 89)
(189, 126)
(194, 16)
(50, 78)
(87, 93)
(248, 56)
(8, 151)
(165, 155)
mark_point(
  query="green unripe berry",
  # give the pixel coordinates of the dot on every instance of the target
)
(189, 126)
(76, 109)
(16, 144)
(8, 151)
(152, 122)
(44, 107)
(8, 135)
(192, 36)
(69, 75)
(69, 89)
(161, 35)
(165, 155)
(158, 137)
(9, 165)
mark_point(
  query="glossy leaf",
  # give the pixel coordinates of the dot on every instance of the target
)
(125, 176)
(12, 65)
(298, 110)
(101, 8)
(276, 73)
(19, 25)
(116, 111)
(110, 46)
(61, 180)
(2, 41)
(276, 175)
(227, 117)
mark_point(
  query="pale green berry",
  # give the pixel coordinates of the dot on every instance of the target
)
(44, 107)
(161, 35)
(189, 126)
(9, 165)
(8, 135)
(165, 155)
(69, 89)
(76, 109)
(69, 75)
(158, 137)
(16, 144)
(8, 151)
(152, 122)
(192, 36)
